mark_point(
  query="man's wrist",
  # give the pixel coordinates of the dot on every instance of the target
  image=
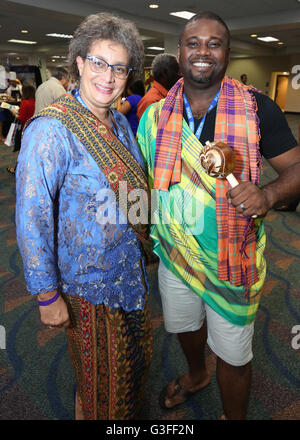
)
(270, 196)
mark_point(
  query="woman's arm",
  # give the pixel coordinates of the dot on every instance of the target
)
(42, 164)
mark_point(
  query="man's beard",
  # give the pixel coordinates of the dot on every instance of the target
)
(201, 78)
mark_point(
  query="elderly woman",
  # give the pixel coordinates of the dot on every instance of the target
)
(81, 259)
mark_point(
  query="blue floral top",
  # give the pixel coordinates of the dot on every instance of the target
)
(60, 240)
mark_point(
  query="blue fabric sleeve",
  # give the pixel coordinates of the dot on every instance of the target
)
(42, 165)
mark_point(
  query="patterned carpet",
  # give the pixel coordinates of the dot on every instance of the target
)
(36, 378)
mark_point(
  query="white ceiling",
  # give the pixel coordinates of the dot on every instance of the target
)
(279, 18)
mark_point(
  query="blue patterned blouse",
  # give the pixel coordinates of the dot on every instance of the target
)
(60, 240)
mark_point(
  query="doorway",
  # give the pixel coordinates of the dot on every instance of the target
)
(281, 89)
(279, 86)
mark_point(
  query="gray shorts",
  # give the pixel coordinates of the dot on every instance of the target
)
(185, 311)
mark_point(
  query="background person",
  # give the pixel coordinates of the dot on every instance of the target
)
(88, 273)
(53, 88)
(128, 107)
(165, 72)
(244, 79)
(14, 88)
(26, 111)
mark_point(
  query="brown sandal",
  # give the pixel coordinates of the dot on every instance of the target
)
(178, 391)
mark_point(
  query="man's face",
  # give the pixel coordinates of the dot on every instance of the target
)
(203, 53)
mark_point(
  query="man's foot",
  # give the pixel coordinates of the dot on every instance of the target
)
(179, 390)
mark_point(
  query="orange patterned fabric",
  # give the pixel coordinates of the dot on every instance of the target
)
(167, 169)
(155, 94)
(237, 125)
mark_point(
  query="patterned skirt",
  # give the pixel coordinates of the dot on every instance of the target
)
(110, 351)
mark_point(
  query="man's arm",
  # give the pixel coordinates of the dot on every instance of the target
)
(286, 187)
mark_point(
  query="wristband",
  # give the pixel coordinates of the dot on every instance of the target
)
(48, 301)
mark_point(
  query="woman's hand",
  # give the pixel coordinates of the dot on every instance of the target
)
(55, 314)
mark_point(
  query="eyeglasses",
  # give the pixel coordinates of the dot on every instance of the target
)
(98, 65)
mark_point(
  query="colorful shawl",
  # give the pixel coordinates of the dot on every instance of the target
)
(184, 229)
(236, 125)
(113, 158)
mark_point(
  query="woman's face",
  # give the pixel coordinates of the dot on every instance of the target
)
(100, 90)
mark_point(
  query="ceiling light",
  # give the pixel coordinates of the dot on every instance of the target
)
(156, 48)
(183, 14)
(267, 39)
(59, 35)
(24, 31)
(22, 41)
(253, 35)
(154, 6)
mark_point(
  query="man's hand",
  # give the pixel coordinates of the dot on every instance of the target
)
(55, 314)
(248, 199)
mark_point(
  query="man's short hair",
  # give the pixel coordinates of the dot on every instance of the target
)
(162, 63)
(209, 16)
(59, 72)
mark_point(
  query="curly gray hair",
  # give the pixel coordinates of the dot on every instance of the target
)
(105, 26)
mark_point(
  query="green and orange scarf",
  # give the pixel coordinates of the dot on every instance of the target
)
(237, 125)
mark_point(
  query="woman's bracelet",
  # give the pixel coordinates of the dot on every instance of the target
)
(48, 301)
